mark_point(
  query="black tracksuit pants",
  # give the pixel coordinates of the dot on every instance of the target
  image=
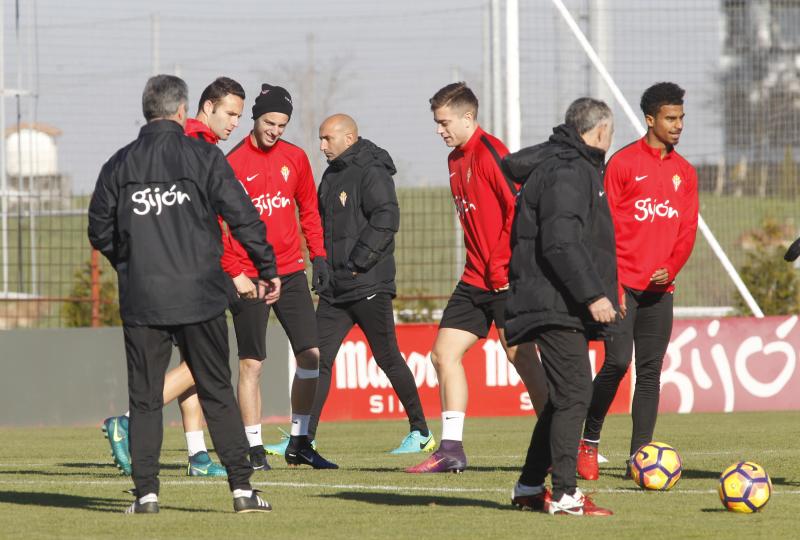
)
(374, 316)
(565, 358)
(204, 347)
(648, 325)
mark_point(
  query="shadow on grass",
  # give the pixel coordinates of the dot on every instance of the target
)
(94, 504)
(80, 465)
(470, 468)
(115, 474)
(92, 469)
(395, 499)
(58, 500)
(697, 474)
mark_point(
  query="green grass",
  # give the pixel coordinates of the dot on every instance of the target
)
(59, 483)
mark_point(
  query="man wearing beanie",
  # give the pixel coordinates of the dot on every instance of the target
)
(360, 217)
(277, 176)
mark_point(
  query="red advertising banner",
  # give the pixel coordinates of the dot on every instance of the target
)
(360, 390)
(712, 365)
(732, 364)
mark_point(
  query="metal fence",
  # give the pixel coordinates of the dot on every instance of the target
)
(737, 60)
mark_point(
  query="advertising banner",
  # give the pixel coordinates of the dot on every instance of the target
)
(712, 365)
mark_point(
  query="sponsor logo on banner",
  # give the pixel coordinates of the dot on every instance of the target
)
(726, 365)
(736, 364)
(361, 390)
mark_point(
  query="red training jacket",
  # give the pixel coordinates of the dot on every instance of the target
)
(654, 205)
(485, 204)
(278, 181)
(198, 130)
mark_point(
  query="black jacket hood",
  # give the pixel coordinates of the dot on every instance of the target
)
(364, 153)
(565, 143)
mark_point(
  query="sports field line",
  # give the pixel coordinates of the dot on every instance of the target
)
(358, 487)
(621, 455)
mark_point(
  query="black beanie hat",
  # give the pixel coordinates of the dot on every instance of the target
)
(272, 99)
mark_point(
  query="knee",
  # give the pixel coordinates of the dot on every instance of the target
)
(308, 359)
(436, 359)
(146, 406)
(614, 368)
(249, 369)
(442, 361)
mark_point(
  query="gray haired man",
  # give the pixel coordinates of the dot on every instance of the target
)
(153, 214)
(563, 291)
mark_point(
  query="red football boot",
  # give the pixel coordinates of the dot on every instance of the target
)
(533, 498)
(587, 462)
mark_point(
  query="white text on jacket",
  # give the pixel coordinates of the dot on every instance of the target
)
(154, 198)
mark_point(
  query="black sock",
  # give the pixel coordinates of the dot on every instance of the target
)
(298, 441)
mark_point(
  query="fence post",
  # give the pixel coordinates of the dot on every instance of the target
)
(95, 288)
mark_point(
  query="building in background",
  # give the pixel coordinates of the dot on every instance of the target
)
(32, 174)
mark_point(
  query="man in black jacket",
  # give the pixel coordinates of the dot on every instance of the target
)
(153, 214)
(563, 291)
(360, 217)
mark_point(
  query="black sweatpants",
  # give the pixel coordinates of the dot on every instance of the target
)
(648, 325)
(204, 347)
(374, 316)
(565, 358)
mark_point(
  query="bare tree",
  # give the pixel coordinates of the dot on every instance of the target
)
(315, 91)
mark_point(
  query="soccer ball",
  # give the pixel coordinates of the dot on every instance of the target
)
(744, 487)
(656, 466)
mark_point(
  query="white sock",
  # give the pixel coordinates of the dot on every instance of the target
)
(195, 442)
(150, 497)
(453, 425)
(595, 443)
(300, 424)
(254, 435)
(242, 493)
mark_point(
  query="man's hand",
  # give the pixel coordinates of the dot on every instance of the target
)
(321, 276)
(245, 286)
(501, 289)
(602, 310)
(270, 290)
(660, 276)
(623, 308)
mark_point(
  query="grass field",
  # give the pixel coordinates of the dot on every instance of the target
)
(59, 483)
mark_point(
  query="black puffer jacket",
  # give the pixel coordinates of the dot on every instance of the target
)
(153, 214)
(563, 256)
(360, 217)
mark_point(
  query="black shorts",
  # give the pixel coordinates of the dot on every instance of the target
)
(294, 309)
(472, 309)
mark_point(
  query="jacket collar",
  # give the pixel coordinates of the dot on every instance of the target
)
(473, 141)
(160, 126)
(343, 160)
(255, 148)
(655, 152)
(194, 126)
(566, 135)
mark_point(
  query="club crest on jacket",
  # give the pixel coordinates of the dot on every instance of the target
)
(285, 173)
(676, 181)
(343, 197)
